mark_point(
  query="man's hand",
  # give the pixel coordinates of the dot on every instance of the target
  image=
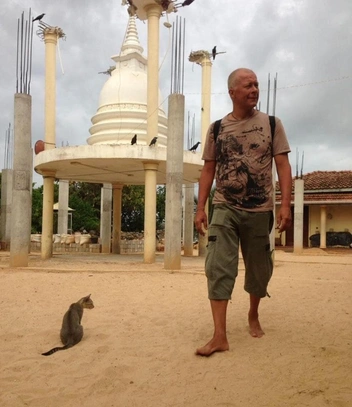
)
(284, 219)
(201, 221)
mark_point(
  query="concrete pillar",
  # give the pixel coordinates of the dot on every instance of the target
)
(116, 227)
(153, 14)
(188, 220)
(150, 211)
(298, 217)
(62, 221)
(51, 35)
(6, 203)
(21, 185)
(48, 216)
(323, 227)
(205, 123)
(174, 177)
(273, 231)
(105, 218)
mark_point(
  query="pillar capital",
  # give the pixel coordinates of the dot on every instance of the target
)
(51, 34)
(117, 186)
(49, 174)
(153, 10)
(151, 165)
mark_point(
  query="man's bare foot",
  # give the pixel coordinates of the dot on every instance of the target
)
(254, 327)
(214, 345)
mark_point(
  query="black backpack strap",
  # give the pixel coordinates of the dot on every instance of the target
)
(272, 126)
(216, 129)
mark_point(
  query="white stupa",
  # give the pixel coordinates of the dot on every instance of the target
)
(122, 110)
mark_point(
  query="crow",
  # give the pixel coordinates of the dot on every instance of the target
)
(194, 148)
(213, 51)
(134, 139)
(152, 143)
(187, 2)
(38, 18)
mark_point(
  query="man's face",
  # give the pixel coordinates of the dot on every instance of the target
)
(245, 91)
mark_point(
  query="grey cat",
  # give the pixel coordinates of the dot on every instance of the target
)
(72, 331)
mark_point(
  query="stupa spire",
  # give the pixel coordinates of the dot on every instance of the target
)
(131, 43)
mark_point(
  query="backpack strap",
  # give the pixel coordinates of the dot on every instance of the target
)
(217, 125)
(216, 129)
(272, 126)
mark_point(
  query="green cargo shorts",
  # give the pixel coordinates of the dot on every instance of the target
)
(229, 228)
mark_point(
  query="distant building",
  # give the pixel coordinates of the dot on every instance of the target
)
(327, 198)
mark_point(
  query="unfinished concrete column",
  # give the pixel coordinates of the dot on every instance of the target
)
(298, 216)
(323, 227)
(6, 203)
(105, 218)
(62, 221)
(188, 220)
(174, 177)
(21, 184)
(116, 227)
(150, 211)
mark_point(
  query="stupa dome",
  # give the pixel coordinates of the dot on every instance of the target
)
(122, 110)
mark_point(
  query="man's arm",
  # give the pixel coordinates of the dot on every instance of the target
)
(283, 169)
(205, 183)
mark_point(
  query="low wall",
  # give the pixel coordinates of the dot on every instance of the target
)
(127, 246)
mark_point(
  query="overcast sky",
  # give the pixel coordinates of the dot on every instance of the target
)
(306, 42)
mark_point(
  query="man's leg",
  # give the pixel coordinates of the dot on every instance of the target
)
(219, 341)
(253, 317)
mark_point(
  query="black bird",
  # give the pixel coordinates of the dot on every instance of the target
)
(194, 148)
(187, 2)
(213, 51)
(154, 139)
(38, 18)
(134, 139)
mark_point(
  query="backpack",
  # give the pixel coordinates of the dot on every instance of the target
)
(217, 125)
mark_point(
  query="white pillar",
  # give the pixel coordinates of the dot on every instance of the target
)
(298, 217)
(21, 207)
(153, 13)
(205, 123)
(150, 211)
(323, 227)
(62, 218)
(48, 216)
(174, 177)
(188, 219)
(50, 39)
(105, 218)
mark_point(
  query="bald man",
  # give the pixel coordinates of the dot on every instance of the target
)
(240, 159)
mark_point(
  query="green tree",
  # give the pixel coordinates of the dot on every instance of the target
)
(84, 198)
(132, 208)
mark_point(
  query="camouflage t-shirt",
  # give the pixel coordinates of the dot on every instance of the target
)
(244, 152)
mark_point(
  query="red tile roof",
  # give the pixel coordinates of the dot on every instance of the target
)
(319, 180)
(321, 186)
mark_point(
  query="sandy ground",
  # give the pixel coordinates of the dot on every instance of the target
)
(139, 340)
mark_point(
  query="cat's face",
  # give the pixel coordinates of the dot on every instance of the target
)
(87, 302)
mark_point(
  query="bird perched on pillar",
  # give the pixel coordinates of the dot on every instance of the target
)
(154, 139)
(213, 52)
(38, 18)
(194, 148)
(134, 139)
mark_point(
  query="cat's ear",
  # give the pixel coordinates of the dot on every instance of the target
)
(88, 296)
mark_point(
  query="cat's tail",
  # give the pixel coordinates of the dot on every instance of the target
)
(53, 350)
